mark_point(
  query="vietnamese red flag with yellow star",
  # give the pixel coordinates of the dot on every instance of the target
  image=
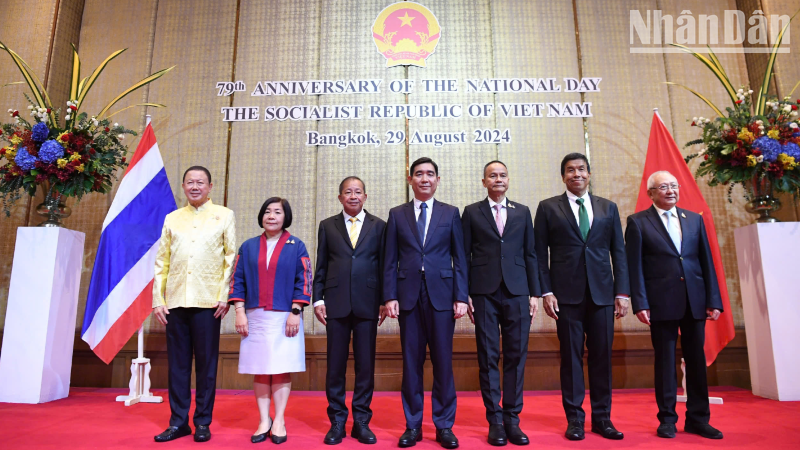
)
(663, 154)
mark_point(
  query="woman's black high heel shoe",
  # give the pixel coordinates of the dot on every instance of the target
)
(279, 439)
(256, 438)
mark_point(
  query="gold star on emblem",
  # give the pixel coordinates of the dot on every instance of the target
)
(406, 20)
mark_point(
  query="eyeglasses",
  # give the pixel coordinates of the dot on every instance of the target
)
(664, 187)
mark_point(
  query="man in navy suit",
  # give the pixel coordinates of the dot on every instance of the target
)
(582, 290)
(674, 286)
(425, 285)
(503, 286)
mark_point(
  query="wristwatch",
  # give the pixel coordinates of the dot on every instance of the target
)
(296, 311)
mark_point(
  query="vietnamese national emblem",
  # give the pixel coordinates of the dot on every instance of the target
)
(406, 33)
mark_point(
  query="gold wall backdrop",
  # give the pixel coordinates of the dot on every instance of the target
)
(282, 40)
(31, 34)
(547, 50)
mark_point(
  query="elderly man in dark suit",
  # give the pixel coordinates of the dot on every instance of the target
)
(674, 287)
(583, 291)
(425, 285)
(347, 299)
(503, 286)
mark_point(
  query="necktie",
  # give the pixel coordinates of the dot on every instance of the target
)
(672, 232)
(423, 208)
(353, 231)
(498, 219)
(583, 219)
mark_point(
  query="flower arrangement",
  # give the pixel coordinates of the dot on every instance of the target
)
(742, 147)
(756, 144)
(80, 155)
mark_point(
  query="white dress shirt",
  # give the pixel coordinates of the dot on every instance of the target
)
(348, 225)
(359, 223)
(503, 210)
(587, 203)
(428, 213)
(673, 218)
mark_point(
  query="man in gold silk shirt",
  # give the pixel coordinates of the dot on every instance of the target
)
(190, 297)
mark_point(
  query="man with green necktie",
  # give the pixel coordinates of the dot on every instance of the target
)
(578, 237)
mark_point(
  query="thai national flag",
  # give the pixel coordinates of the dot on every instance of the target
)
(121, 291)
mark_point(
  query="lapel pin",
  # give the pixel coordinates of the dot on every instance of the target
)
(683, 215)
(510, 205)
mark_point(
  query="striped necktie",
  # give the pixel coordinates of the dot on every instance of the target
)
(353, 231)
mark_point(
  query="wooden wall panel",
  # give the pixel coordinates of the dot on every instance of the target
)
(632, 364)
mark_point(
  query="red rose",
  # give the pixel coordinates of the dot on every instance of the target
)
(706, 156)
(74, 108)
(756, 152)
(124, 159)
(107, 129)
(15, 114)
(49, 110)
(739, 102)
(794, 107)
(91, 150)
(694, 124)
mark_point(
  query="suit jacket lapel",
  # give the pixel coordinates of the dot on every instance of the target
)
(655, 220)
(339, 223)
(436, 214)
(569, 215)
(369, 221)
(487, 212)
(511, 214)
(412, 221)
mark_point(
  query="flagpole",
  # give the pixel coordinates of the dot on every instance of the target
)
(140, 367)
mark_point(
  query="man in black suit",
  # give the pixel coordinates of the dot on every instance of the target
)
(347, 299)
(674, 286)
(582, 291)
(503, 286)
(425, 285)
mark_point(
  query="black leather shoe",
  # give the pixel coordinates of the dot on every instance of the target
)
(362, 432)
(666, 430)
(335, 434)
(703, 429)
(172, 433)
(279, 439)
(256, 438)
(497, 435)
(575, 431)
(606, 429)
(516, 436)
(202, 433)
(446, 438)
(410, 437)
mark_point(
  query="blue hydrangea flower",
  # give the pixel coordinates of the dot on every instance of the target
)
(39, 132)
(792, 149)
(770, 148)
(51, 151)
(25, 160)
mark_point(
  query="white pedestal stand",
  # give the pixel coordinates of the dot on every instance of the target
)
(39, 334)
(140, 379)
(682, 398)
(140, 368)
(767, 255)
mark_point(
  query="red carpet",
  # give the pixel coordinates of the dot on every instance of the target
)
(90, 418)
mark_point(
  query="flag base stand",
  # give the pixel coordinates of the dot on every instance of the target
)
(140, 379)
(682, 398)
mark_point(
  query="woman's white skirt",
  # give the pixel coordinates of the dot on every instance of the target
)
(267, 350)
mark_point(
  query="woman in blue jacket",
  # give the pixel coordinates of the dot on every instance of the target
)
(270, 286)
